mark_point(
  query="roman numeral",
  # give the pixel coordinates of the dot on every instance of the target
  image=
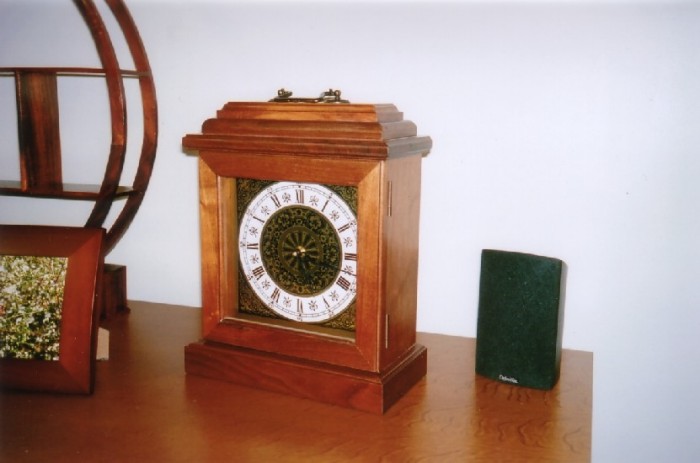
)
(253, 246)
(258, 272)
(300, 196)
(345, 227)
(276, 200)
(343, 283)
(300, 306)
(275, 295)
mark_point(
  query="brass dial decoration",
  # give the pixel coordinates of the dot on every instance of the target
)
(298, 251)
(301, 250)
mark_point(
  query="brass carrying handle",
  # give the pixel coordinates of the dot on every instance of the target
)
(329, 96)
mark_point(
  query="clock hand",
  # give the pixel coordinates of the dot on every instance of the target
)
(302, 258)
(300, 255)
(304, 270)
(324, 264)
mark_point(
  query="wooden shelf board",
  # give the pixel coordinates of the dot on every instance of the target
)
(73, 191)
(69, 71)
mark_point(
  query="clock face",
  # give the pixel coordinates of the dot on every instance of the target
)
(298, 251)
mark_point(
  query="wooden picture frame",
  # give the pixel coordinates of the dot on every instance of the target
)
(74, 370)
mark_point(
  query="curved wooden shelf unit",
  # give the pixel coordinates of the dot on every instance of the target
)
(38, 126)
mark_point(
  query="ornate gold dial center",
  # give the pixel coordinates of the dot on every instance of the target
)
(301, 250)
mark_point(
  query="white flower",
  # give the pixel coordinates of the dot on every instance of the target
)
(12, 289)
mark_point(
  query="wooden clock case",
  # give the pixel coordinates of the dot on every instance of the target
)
(366, 146)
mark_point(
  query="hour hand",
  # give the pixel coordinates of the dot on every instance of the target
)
(300, 257)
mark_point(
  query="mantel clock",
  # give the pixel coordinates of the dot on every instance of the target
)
(309, 216)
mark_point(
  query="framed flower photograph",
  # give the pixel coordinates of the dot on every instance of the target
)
(49, 311)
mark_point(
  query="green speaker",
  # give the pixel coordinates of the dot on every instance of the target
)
(520, 319)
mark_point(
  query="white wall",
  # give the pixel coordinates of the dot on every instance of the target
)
(563, 129)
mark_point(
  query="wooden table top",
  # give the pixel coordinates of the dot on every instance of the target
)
(146, 409)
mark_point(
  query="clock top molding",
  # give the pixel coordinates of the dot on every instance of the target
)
(340, 130)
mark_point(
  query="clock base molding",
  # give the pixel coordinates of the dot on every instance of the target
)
(361, 390)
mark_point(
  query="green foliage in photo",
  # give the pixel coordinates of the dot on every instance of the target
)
(31, 299)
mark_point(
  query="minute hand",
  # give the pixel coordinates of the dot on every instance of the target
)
(324, 264)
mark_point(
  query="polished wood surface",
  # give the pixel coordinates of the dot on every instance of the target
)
(146, 409)
(39, 137)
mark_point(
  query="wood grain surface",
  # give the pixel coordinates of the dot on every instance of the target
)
(146, 409)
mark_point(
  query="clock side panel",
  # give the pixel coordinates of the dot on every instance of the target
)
(401, 229)
(370, 277)
(218, 263)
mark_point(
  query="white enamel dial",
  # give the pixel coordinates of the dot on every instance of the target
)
(298, 251)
